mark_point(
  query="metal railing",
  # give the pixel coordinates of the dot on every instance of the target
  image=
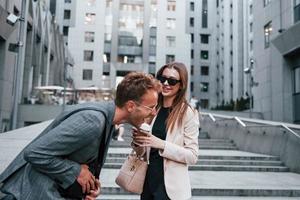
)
(244, 125)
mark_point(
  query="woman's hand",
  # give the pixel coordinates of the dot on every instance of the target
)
(94, 193)
(148, 141)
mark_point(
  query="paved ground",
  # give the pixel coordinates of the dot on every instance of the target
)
(12, 142)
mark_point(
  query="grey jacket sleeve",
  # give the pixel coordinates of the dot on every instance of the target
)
(48, 153)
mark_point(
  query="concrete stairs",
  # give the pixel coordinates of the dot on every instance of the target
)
(222, 172)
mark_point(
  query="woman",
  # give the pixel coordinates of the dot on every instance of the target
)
(174, 138)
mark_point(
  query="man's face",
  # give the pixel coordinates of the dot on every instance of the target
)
(144, 109)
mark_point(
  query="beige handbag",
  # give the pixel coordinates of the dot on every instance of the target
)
(132, 174)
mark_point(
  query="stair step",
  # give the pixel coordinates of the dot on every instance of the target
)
(219, 147)
(221, 192)
(216, 157)
(135, 197)
(219, 168)
(216, 162)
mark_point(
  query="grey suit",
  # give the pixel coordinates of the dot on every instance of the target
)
(53, 159)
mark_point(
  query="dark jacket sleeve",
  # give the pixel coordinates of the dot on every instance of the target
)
(48, 153)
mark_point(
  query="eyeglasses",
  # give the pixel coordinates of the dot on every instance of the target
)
(171, 81)
(147, 107)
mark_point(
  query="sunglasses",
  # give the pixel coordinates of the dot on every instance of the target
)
(171, 81)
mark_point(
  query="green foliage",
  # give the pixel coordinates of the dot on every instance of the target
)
(239, 104)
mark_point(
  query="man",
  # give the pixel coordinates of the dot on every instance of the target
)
(58, 157)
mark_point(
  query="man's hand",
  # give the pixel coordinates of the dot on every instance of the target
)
(86, 179)
(94, 193)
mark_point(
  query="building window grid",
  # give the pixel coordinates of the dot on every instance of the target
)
(297, 80)
(296, 10)
(91, 2)
(90, 18)
(87, 74)
(204, 14)
(171, 6)
(204, 70)
(204, 38)
(170, 58)
(89, 36)
(204, 55)
(66, 30)
(171, 23)
(267, 33)
(191, 21)
(266, 2)
(192, 6)
(67, 14)
(204, 86)
(88, 55)
(192, 69)
(171, 41)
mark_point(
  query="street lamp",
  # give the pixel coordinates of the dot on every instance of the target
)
(252, 84)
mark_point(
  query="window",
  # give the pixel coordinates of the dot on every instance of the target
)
(66, 30)
(107, 37)
(192, 6)
(266, 2)
(204, 13)
(171, 6)
(170, 58)
(251, 9)
(171, 41)
(191, 21)
(204, 103)
(67, 14)
(297, 80)
(192, 69)
(90, 18)
(192, 53)
(129, 59)
(251, 45)
(171, 23)
(108, 3)
(106, 57)
(87, 74)
(90, 2)
(296, 10)
(267, 33)
(204, 87)
(204, 55)
(152, 41)
(68, 1)
(89, 36)
(192, 38)
(204, 70)
(204, 38)
(251, 27)
(88, 55)
(192, 86)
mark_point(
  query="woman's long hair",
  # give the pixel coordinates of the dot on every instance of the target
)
(180, 104)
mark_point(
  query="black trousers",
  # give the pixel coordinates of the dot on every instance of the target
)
(158, 194)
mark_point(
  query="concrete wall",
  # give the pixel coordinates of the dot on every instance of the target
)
(264, 138)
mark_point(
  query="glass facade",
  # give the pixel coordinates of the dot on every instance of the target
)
(296, 10)
(131, 30)
(267, 32)
(204, 13)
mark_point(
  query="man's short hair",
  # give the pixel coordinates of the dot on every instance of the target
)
(134, 86)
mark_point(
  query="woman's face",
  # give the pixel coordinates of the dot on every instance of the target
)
(169, 90)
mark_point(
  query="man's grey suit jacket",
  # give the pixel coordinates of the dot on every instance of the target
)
(53, 159)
